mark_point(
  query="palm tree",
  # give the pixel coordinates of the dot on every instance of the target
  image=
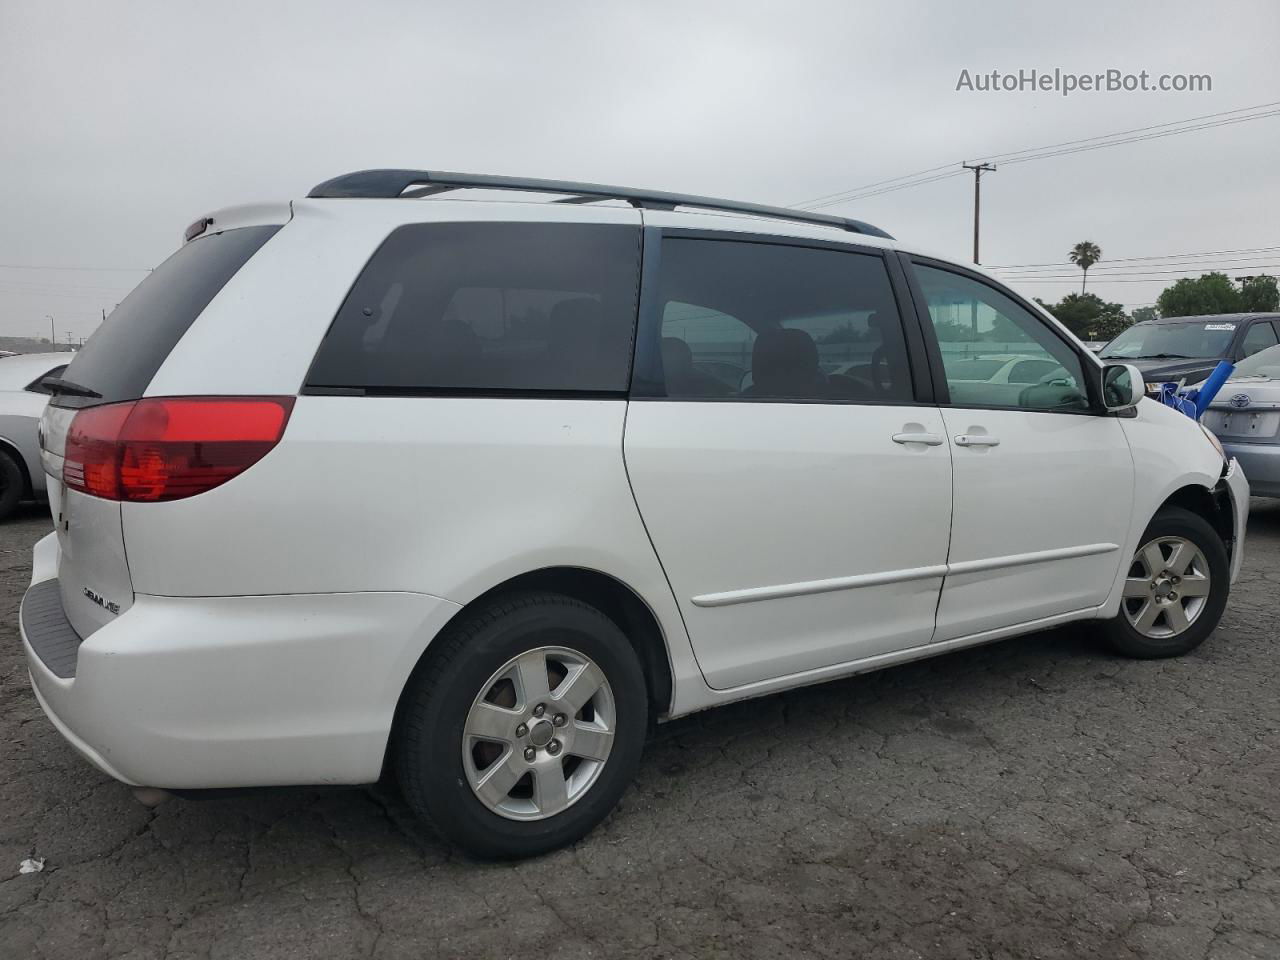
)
(1084, 255)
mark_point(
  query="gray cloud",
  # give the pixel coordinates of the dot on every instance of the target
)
(123, 122)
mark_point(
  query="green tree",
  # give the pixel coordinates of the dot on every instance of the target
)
(1084, 255)
(1088, 316)
(952, 331)
(1110, 325)
(1259, 294)
(1199, 296)
(1143, 314)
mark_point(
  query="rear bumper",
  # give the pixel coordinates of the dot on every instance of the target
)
(240, 691)
(1260, 463)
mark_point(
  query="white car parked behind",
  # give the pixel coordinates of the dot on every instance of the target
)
(469, 507)
(22, 399)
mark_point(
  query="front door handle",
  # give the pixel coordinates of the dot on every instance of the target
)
(976, 440)
(928, 439)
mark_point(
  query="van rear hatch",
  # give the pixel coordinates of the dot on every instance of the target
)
(116, 366)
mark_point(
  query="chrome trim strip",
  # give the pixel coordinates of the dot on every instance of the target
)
(1254, 406)
(753, 594)
(1038, 556)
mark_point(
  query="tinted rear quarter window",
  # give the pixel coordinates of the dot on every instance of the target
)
(488, 307)
(122, 356)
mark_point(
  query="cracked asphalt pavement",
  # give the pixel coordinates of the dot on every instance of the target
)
(1033, 798)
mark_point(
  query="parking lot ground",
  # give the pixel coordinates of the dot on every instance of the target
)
(1033, 798)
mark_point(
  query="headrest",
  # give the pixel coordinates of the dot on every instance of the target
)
(676, 355)
(574, 319)
(784, 362)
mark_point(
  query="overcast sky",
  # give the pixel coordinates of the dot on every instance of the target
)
(122, 122)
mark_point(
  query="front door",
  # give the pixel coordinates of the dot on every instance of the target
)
(1043, 484)
(798, 496)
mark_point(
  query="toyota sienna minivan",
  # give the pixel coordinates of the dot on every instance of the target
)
(403, 477)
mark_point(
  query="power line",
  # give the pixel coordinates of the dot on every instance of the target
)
(905, 176)
(1120, 268)
(60, 285)
(1162, 256)
(1137, 273)
(1075, 280)
(31, 266)
(1149, 136)
(875, 193)
(1138, 134)
(1000, 157)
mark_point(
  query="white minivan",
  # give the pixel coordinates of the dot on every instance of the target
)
(411, 475)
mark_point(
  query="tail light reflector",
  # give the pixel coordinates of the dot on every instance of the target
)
(167, 448)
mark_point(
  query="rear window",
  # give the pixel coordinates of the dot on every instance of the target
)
(489, 307)
(123, 354)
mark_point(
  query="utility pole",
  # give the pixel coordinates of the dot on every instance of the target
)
(978, 170)
(53, 334)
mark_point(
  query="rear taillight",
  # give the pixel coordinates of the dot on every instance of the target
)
(167, 448)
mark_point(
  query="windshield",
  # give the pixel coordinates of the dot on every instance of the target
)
(1264, 363)
(1191, 339)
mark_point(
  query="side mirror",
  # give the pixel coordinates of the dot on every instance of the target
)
(1122, 386)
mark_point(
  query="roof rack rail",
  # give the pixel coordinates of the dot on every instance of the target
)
(396, 183)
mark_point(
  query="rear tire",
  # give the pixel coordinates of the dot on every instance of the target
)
(1175, 590)
(13, 484)
(524, 727)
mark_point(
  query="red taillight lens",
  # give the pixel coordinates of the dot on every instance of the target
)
(167, 448)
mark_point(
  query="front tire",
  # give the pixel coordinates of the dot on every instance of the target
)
(524, 727)
(1175, 590)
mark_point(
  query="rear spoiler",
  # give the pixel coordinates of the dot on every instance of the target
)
(244, 215)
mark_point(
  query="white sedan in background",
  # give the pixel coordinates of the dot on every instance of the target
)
(22, 400)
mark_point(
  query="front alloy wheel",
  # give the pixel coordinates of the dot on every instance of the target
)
(1168, 587)
(1175, 589)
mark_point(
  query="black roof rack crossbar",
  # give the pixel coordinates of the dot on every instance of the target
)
(395, 183)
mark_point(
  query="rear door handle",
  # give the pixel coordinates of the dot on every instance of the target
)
(928, 439)
(976, 440)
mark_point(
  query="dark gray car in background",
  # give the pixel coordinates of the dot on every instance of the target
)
(1184, 350)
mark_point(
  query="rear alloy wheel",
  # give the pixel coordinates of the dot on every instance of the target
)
(539, 733)
(1175, 590)
(524, 727)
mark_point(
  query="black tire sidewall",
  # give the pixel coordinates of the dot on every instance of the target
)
(435, 750)
(14, 485)
(1176, 522)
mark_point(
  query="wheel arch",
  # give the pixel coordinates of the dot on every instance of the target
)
(614, 598)
(1202, 492)
(1213, 505)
